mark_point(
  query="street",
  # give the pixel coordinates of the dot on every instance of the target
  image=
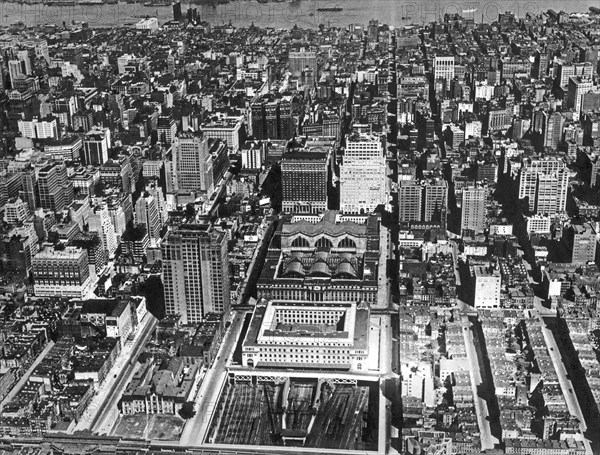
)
(487, 439)
(565, 383)
(194, 432)
(102, 413)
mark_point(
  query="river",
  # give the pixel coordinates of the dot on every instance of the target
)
(284, 14)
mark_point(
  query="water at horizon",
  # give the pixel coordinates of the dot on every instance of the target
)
(284, 14)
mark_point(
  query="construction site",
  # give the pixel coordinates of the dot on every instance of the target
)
(297, 412)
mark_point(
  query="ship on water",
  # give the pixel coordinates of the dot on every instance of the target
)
(469, 11)
(335, 9)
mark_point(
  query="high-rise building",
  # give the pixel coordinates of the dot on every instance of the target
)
(177, 11)
(15, 211)
(146, 213)
(167, 129)
(566, 71)
(273, 119)
(253, 154)
(363, 174)
(540, 66)
(230, 130)
(54, 187)
(410, 201)
(192, 164)
(552, 129)
(544, 183)
(100, 222)
(195, 272)
(473, 209)
(435, 200)
(583, 240)
(96, 143)
(577, 88)
(486, 287)
(304, 180)
(302, 60)
(443, 67)
(62, 271)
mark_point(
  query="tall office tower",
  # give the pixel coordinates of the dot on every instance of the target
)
(146, 213)
(410, 201)
(435, 201)
(273, 119)
(96, 143)
(566, 71)
(443, 68)
(177, 11)
(195, 272)
(258, 120)
(473, 209)
(29, 188)
(540, 66)
(92, 243)
(550, 197)
(577, 88)
(253, 154)
(61, 271)
(166, 129)
(363, 176)
(192, 164)
(304, 180)
(100, 222)
(54, 187)
(544, 182)
(16, 69)
(154, 190)
(552, 129)
(302, 60)
(582, 239)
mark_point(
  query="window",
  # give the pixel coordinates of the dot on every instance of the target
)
(324, 242)
(300, 242)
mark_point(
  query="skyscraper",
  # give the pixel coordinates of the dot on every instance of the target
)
(363, 174)
(96, 143)
(544, 183)
(410, 201)
(195, 272)
(61, 271)
(101, 223)
(577, 88)
(192, 164)
(304, 180)
(552, 129)
(54, 187)
(146, 213)
(473, 209)
(435, 200)
(273, 119)
(302, 60)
